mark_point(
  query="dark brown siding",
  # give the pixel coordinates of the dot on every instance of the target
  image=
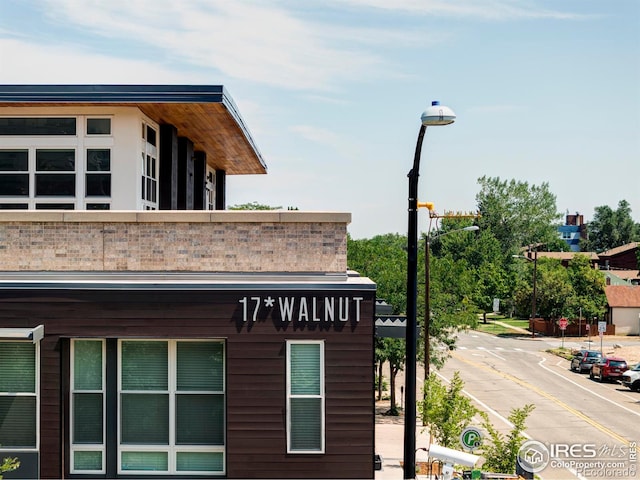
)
(256, 363)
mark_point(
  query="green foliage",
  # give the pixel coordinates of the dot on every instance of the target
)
(382, 258)
(560, 291)
(255, 206)
(517, 213)
(502, 451)
(9, 464)
(446, 411)
(610, 228)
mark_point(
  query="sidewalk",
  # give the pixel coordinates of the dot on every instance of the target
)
(390, 445)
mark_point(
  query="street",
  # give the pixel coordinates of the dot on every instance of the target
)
(591, 427)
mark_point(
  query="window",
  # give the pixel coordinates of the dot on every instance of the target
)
(149, 187)
(14, 173)
(88, 406)
(305, 397)
(170, 407)
(18, 394)
(210, 189)
(98, 177)
(55, 173)
(37, 126)
(98, 126)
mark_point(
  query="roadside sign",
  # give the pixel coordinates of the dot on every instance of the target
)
(562, 323)
(496, 305)
(602, 327)
(588, 327)
(471, 438)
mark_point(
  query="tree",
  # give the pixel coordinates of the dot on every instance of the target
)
(446, 411)
(502, 452)
(394, 352)
(610, 228)
(517, 213)
(588, 284)
(253, 206)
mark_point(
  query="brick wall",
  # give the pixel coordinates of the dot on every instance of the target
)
(221, 241)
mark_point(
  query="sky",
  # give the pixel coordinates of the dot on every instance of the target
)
(545, 91)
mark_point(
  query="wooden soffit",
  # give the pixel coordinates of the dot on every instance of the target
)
(205, 114)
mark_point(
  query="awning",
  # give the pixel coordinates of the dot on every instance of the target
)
(34, 334)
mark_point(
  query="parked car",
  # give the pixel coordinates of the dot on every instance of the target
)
(610, 368)
(583, 360)
(631, 378)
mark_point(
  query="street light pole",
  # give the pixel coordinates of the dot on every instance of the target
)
(533, 299)
(534, 295)
(434, 115)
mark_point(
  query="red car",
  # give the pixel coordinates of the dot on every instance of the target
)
(608, 368)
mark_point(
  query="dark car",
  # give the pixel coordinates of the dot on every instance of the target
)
(610, 368)
(583, 360)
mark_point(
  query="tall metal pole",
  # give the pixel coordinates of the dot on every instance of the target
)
(533, 298)
(409, 467)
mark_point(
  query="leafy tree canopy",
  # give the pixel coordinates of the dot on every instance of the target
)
(517, 213)
(610, 228)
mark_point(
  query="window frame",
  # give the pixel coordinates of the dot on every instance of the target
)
(35, 394)
(87, 447)
(321, 395)
(172, 448)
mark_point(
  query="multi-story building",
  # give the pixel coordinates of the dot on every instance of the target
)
(145, 332)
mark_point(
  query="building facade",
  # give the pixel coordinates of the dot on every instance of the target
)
(169, 344)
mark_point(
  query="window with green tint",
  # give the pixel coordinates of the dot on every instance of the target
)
(87, 418)
(146, 461)
(18, 425)
(144, 419)
(87, 365)
(17, 367)
(305, 424)
(305, 369)
(87, 460)
(144, 365)
(200, 461)
(305, 402)
(200, 366)
(199, 419)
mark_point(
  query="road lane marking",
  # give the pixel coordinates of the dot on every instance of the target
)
(540, 363)
(548, 396)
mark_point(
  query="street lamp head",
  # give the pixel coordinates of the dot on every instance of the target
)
(437, 114)
(472, 228)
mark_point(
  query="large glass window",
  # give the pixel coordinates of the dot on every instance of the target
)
(18, 395)
(305, 397)
(88, 406)
(14, 173)
(171, 406)
(55, 173)
(98, 177)
(37, 126)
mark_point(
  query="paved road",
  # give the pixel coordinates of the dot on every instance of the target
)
(598, 420)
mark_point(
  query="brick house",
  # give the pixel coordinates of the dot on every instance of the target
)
(146, 332)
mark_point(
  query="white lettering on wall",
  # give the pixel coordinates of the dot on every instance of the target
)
(312, 309)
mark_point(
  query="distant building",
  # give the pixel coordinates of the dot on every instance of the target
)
(573, 231)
